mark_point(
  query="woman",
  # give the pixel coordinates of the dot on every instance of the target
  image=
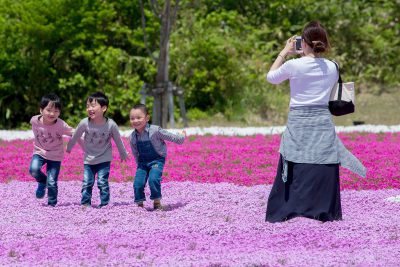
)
(307, 180)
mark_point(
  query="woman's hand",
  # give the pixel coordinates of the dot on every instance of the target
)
(288, 50)
(289, 47)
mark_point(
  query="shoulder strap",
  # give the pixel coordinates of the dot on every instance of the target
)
(337, 68)
(339, 81)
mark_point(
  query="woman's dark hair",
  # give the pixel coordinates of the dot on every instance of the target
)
(99, 97)
(50, 98)
(315, 35)
(142, 107)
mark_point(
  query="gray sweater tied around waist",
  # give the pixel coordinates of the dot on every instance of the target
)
(310, 137)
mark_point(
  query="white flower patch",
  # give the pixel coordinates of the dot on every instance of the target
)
(394, 199)
(228, 131)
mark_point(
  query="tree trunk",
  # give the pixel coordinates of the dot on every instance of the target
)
(161, 100)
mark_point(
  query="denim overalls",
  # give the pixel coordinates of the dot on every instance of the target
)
(150, 167)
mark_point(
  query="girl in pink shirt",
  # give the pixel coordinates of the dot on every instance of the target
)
(48, 130)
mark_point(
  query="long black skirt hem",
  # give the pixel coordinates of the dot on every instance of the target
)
(311, 191)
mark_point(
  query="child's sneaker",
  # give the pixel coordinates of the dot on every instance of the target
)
(157, 205)
(41, 190)
(140, 204)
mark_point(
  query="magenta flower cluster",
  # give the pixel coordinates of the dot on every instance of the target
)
(250, 160)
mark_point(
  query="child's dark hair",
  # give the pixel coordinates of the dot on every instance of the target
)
(50, 98)
(142, 107)
(99, 97)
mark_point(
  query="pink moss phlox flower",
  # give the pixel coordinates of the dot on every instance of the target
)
(250, 160)
(203, 224)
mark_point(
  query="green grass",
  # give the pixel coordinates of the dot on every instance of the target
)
(374, 109)
(383, 109)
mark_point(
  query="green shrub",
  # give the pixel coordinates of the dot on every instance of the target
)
(196, 114)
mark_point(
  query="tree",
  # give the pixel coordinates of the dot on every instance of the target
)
(160, 92)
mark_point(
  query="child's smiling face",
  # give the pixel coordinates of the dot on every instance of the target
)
(50, 114)
(138, 119)
(95, 111)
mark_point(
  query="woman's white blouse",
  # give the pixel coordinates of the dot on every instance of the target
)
(311, 80)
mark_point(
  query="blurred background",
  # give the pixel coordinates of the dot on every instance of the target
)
(219, 52)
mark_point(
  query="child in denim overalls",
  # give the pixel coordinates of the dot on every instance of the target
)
(48, 147)
(98, 131)
(148, 147)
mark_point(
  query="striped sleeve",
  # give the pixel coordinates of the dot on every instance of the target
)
(165, 135)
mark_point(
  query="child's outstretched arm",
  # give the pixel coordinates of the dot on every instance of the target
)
(76, 136)
(69, 131)
(118, 141)
(176, 138)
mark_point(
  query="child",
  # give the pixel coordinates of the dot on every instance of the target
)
(148, 147)
(98, 131)
(48, 130)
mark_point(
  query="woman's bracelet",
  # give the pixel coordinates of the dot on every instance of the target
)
(279, 55)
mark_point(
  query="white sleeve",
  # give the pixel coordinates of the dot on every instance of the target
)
(279, 75)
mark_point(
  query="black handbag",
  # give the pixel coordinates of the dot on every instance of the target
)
(341, 101)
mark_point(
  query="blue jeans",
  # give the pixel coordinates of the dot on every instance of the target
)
(103, 171)
(52, 170)
(152, 172)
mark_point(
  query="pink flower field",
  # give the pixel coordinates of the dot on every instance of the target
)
(215, 190)
(248, 161)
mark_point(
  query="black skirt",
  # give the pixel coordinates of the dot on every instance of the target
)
(311, 191)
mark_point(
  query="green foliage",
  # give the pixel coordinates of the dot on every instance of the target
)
(196, 114)
(220, 52)
(72, 48)
(226, 47)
